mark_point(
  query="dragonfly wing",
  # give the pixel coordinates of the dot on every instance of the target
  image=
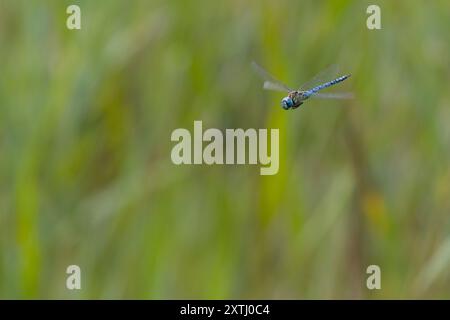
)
(270, 82)
(269, 85)
(333, 95)
(325, 75)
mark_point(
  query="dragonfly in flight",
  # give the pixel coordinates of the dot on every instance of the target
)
(295, 98)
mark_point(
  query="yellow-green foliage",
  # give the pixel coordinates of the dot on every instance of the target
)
(86, 176)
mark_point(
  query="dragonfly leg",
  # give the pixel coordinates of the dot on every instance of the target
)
(295, 107)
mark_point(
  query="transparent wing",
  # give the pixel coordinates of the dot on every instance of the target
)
(337, 95)
(270, 82)
(330, 73)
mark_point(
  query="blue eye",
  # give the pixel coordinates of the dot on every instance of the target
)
(287, 103)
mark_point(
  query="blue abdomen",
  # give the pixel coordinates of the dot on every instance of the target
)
(327, 84)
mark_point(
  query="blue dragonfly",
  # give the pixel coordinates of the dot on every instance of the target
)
(295, 98)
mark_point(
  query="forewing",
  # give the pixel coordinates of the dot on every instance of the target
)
(270, 83)
(330, 73)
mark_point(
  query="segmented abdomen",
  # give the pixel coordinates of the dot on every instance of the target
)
(327, 84)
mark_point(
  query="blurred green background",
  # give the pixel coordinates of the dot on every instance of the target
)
(86, 175)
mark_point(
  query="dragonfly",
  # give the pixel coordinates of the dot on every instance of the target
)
(310, 89)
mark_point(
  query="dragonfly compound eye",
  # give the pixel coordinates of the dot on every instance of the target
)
(287, 103)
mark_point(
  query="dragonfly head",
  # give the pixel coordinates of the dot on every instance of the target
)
(287, 103)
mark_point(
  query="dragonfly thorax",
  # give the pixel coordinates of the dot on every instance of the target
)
(293, 100)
